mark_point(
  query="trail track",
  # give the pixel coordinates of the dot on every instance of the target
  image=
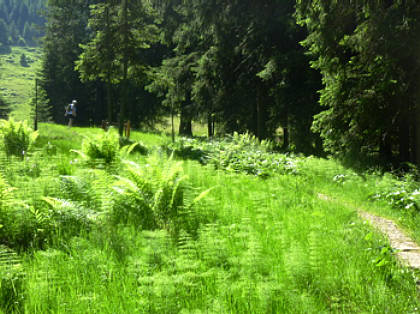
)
(406, 249)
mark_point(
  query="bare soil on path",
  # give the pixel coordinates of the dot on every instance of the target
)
(406, 249)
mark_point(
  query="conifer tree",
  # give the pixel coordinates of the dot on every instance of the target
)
(367, 53)
(121, 30)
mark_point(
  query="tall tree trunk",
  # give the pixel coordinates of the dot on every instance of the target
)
(210, 124)
(108, 99)
(108, 77)
(385, 148)
(284, 124)
(286, 136)
(185, 123)
(416, 144)
(404, 138)
(261, 117)
(125, 70)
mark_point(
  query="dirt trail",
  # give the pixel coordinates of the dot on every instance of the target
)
(407, 251)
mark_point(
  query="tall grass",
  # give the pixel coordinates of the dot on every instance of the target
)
(247, 245)
(288, 253)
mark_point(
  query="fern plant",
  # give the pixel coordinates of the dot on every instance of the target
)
(236, 153)
(11, 281)
(21, 225)
(17, 137)
(69, 218)
(104, 147)
(153, 195)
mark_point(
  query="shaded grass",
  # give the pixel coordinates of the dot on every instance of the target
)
(199, 128)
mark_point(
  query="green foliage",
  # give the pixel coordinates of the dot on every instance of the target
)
(17, 82)
(240, 65)
(65, 167)
(243, 245)
(237, 153)
(103, 147)
(399, 193)
(42, 106)
(65, 31)
(188, 148)
(23, 61)
(12, 281)
(17, 137)
(68, 218)
(4, 108)
(4, 38)
(370, 83)
(153, 195)
(23, 19)
(134, 146)
(121, 32)
(22, 226)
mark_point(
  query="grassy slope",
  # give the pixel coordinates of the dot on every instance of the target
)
(269, 246)
(17, 83)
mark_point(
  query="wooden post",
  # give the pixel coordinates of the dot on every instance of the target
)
(172, 115)
(127, 127)
(36, 106)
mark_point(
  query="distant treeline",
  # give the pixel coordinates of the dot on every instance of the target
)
(21, 22)
(336, 77)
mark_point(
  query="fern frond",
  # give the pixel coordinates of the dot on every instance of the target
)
(9, 259)
(126, 150)
(80, 153)
(202, 195)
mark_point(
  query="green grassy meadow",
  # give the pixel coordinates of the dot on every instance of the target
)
(17, 82)
(88, 227)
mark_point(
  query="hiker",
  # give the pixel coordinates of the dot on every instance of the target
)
(71, 113)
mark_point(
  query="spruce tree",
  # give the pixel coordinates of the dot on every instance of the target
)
(367, 53)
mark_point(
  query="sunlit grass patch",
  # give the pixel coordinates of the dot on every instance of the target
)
(17, 82)
(247, 245)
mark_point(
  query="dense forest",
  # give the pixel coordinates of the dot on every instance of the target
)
(20, 22)
(337, 77)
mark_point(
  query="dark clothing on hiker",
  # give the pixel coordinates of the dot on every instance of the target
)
(71, 112)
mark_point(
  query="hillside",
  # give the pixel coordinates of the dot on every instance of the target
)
(21, 22)
(17, 82)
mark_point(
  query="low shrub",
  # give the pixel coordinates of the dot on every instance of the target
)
(401, 193)
(153, 196)
(102, 147)
(105, 148)
(138, 146)
(18, 138)
(188, 148)
(69, 218)
(21, 226)
(238, 153)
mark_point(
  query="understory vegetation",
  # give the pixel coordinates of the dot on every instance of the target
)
(89, 223)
